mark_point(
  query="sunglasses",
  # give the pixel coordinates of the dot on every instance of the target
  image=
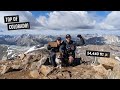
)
(68, 37)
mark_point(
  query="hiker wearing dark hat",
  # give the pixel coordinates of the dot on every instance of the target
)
(54, 49)
(70, 48)
(80, 41)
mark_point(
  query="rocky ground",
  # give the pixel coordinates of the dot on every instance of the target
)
(33, 66)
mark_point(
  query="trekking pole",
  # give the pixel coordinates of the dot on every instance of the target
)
(95, 58)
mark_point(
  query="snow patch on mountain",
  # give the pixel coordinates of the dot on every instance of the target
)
(34, 48)
(111, 39)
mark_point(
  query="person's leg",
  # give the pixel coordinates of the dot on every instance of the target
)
(71, 59)
(64, 60)
(67, 60)
(52, 58)
(74, 60)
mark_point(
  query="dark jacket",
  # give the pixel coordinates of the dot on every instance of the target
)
(59, 48)
(80, 41)
(70, 47)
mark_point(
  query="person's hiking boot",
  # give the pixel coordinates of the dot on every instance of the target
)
(72, 64)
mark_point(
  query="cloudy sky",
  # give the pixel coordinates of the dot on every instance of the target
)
(58, 22)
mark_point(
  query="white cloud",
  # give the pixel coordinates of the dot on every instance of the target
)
(105, 26)
(112, 21)
(67, 20)
(24, 16)
(64, 20)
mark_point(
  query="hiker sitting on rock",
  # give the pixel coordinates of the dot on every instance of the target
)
(55, 47)
(70, 48)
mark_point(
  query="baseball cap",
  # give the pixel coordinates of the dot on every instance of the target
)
(59, 38)
(78, 35)
(68, 36)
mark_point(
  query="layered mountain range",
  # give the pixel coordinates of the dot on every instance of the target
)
(11, 45)
(31, 40)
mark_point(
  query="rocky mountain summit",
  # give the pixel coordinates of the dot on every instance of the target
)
(33, 64)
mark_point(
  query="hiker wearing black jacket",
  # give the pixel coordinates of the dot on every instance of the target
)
(70, 48)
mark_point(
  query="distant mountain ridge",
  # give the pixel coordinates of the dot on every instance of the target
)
(25, 40)
(32, 40)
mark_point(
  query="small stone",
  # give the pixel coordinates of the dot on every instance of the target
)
(33, 66)
(22, 56)
(5, 69)
(108, 61)
(16, 67)
(45, 77)
(98, 76)
(34, 74)
(65, 74)
(100, 69)
(45, 70)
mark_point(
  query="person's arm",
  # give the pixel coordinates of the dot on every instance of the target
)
(52, 49)
(74, 46)
(83, 41)
(62, 48)
(48, 47)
